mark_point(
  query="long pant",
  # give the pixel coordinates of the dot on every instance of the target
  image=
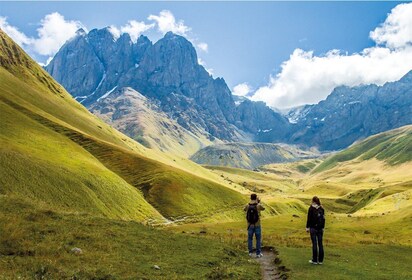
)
(316, 235)
(257, 231)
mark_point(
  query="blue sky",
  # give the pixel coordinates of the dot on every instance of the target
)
(247, 41)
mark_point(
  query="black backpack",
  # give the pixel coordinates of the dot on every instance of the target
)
(319, 218)
(252, 214)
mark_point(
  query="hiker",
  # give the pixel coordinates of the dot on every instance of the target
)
(253, 224)
(315, 225)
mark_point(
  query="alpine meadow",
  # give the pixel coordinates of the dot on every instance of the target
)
(124, 157)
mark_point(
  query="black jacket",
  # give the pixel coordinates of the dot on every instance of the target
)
(312, 221)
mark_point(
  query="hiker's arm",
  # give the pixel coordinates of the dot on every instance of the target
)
(245, 209)
(308, 219)
(261, 207)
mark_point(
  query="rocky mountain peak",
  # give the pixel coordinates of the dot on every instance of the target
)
(80, 32)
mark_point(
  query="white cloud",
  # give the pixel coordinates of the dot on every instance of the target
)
(53, 32)
(135, 28)
(203, 46)
(306, 78)
(241, 89)
(114, 31)
(166, 22)
(396, 31)
(14, 33)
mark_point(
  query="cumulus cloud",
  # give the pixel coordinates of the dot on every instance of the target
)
(19, 37)
(114, 31)
(203, 46)
(53, 32)
(396, 31)
(166, 22)
(242, 89)
(135, 28)
(306, 78)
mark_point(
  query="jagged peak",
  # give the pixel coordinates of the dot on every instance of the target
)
(143, 40)
(81, 32)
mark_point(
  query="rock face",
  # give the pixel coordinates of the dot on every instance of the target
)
(250, 155)
(94, 65)
(91, 65)
(141, 118)
(350, 114)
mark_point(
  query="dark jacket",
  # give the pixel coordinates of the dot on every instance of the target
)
(259, 208)
(312, 221)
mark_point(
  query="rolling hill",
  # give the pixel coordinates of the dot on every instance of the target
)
(250, 155)
(54, 151)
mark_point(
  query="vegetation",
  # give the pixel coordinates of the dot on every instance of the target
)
(68, 180)
(38, 243)
(394, 147)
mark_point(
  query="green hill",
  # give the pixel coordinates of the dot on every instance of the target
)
(393, 147)
(69, 180)
(54, 151)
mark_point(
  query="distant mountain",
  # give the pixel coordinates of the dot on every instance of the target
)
(92, 66)
(392, 147)
(141, 118)
(250, 155)
(352, 113)
(56, 154)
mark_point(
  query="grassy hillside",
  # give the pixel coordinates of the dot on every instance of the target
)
(249, 155)
(366, 191)
(37, 242)
(53, 150)
(393, 147)
(137, 116)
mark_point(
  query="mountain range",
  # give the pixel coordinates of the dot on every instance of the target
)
(200, 110)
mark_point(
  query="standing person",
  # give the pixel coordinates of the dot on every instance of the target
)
(253, 224)
(315, 225)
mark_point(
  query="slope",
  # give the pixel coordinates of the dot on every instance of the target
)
(249, 155)
(55, 151)
(141, 118)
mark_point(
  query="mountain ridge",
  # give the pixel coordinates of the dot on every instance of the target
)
(169, 74)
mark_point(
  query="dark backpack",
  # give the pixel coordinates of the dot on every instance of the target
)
(252, 214)
(319, 218)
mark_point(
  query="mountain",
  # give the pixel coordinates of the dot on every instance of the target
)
(352, 113)
(53, 151)
(249, 155)
(90, 66)
(93, 65)
(141, 118)
(392, 147)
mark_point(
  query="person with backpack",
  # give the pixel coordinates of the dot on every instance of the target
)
(315, 225)
(253, 224)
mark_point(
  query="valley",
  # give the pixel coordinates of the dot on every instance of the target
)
(139, 163)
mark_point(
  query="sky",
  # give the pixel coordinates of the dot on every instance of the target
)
(283, 53)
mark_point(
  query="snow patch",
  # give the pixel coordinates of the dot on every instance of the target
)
(106, 94)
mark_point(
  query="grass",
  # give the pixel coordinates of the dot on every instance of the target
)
(69, 180)
(36, 243)
(393, 147)
(356, 262)
(55, 151)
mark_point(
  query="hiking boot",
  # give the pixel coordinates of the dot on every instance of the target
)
(320, 262)
(250, 254)
(312, 262)
(259, 255)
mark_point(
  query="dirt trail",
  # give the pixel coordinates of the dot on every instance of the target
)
(269, 265)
